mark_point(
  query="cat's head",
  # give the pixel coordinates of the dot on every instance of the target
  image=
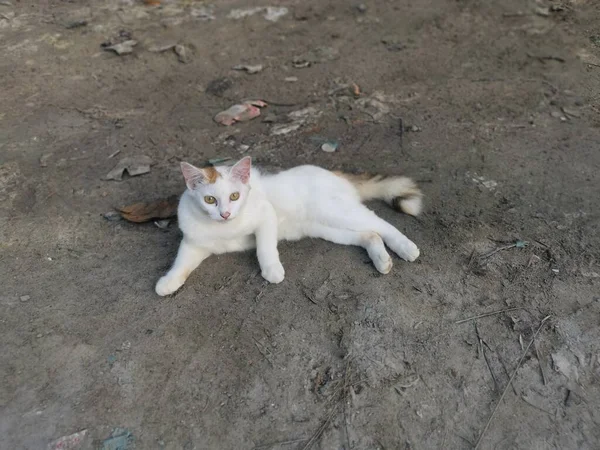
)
(220, 191)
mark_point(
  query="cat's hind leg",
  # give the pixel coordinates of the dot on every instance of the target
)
(358, 217)
(369, 240)
(188, 258)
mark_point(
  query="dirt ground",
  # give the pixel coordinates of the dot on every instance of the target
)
(494, 107)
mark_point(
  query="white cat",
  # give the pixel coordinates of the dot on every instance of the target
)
(228, 209)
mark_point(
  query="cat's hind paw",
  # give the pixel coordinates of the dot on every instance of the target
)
(167, 285)
(275, 273)
(405, 249)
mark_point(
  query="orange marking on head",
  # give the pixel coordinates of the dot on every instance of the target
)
(211, 174)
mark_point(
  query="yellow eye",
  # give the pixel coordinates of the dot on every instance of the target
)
(210, 200)
(235, 196)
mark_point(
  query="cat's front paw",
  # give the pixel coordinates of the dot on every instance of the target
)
(274, 273)
(167, 285)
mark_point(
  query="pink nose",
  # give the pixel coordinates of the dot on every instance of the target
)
(225, 215)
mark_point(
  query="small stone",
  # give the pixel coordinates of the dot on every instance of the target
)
(181, 53)
(329, 147)
(415, 128)
(249, 68)
(39, 335)
(543, 11)
(291, 79)
(555, 270)
(112, 216)
(571, 112)
(25, 298)
(362, 8)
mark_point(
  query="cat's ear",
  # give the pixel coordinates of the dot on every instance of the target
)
(192, 175)
(241, 170)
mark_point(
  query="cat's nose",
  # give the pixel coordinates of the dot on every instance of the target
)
(225, 215)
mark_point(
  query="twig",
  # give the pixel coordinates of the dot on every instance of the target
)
(482, 345)
(308, 296)
(486, 315)
(317, 434)
(541, 363)
(262, 352)
(273, 444)
(514, 374)
(535, 406)
(499, 249)
(506, 370)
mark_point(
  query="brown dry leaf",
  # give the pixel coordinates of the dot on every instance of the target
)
(145, 212)
(152, 2)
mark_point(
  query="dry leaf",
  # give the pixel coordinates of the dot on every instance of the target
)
(145, 212)
(135, 165)
(240, 113)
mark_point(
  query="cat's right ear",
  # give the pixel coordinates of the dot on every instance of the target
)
(192, 175)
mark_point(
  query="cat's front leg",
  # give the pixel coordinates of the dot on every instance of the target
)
(266, 248)
(188, 258)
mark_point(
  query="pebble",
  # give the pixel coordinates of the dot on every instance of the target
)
(25, 298)
(291, 79)
(329, 147)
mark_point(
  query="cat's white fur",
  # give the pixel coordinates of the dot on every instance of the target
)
(306, 201)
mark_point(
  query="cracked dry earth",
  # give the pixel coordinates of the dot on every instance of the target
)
(492, 106)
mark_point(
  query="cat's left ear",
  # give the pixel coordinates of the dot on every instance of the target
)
(241, 170)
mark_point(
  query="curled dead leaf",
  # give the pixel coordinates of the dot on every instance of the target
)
(145, 212)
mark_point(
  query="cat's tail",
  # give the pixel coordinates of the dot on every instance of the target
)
(401, 193)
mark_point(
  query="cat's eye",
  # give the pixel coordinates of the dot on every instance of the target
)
(210, 200)
(235, 196)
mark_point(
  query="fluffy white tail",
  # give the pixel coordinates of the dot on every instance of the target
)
(401, 193)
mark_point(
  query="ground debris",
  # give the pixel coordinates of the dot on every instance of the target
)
(181, 53)
(241, 112)
(271, 13)
(133, 165)
(317, 55)
(249, 68)
(70, 442)
(144, 212)
(122, 48)
(203, 13)
(393, 43)
(294, 120)
(329, 147)
(76, 24)
(120, 439)
(218, 86)
(44, 159)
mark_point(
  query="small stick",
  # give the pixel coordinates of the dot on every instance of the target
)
(273, 444)
(537, 355)
(506, 370)
(321, 429)
(514, 374)
(482, 345)
(112, 155)
(499, 249)
(262, 353)
(486, 315)
(308, 296)
(535, 406)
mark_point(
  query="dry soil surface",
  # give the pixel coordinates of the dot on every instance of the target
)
(493, 107)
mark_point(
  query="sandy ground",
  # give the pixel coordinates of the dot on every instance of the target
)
(492, 106)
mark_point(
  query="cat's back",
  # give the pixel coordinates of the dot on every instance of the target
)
(299, 190)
